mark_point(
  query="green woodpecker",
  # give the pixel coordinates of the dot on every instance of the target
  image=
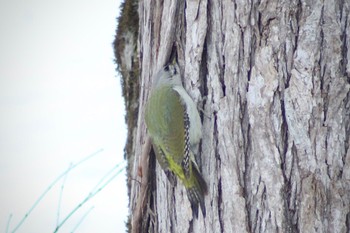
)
(174, 125)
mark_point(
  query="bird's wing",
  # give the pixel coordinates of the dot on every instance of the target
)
(169, 130)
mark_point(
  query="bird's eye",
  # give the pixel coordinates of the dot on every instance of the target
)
(172, 69)
(175, 70)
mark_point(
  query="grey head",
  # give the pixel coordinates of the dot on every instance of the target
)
(168, 75)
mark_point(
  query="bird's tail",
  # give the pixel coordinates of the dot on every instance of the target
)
(197, 191)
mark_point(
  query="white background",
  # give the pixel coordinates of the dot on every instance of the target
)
(60, 101)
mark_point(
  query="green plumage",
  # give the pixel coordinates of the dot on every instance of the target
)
(165, 118)
(165, 122)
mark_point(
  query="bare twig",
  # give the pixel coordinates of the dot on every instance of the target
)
(82, 219)
(61, 194)
(93, 193)
(50, 186)
(140, 203)
(106, 176)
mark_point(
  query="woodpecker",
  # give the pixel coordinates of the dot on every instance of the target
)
(175, 128)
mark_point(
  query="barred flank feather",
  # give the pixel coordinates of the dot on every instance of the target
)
(197, 192)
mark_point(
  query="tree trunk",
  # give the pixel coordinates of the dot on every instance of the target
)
(272, 78)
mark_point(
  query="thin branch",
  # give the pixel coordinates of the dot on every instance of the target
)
(91, 195)
(61, 194)
(51, 185)
(105, 176)
(82, 219)
(140, 202)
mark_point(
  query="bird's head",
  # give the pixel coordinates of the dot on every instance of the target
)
(168, 75)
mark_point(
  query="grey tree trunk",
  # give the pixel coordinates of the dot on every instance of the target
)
(273, 80)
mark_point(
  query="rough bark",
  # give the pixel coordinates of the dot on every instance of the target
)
(273, 80)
